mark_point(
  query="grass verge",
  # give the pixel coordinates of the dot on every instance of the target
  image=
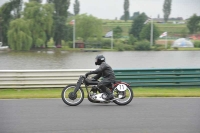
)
(167, 92)
(138, 92)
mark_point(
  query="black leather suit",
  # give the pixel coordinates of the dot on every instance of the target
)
(107, 73)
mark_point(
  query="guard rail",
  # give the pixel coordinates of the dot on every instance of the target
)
(135, 77)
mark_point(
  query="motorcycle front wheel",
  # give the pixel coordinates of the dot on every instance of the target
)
(70, 98)
(123, 97)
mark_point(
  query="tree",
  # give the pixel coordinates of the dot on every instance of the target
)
(132, 39)
(126, 10)
(40, 19)
(1, 38)
(48, 17)
(88, 26)
(16, 8)
(19, 35)
(135, 15)
(146, 32)
(39, 1)
(137, 25)
(9, 11)
(117, 32)
(6, 17)
(122, 17)
(60, 19)
(70, 14)
(143, 45)
(69, 33)
(76, 7)
(167, 9)
(193, 24)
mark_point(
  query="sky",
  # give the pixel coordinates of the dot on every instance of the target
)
(111, 9)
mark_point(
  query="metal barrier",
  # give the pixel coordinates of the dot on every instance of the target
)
(135, 77)
(39, 78)
(160, 77)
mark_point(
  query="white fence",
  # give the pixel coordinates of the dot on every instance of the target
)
(39, 78)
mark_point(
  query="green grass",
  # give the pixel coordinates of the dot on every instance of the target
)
(29, 93)
(169, 27)
(167, 92)
(184, 49)
(138, 92)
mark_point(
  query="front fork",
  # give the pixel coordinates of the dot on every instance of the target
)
(80, 80)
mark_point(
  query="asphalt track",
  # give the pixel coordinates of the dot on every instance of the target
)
(142, 115)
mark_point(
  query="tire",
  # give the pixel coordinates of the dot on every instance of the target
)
(75, 100)
(127, 100)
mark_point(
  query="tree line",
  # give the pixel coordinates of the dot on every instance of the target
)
(166, 10)
(34, 25)
(37, 23)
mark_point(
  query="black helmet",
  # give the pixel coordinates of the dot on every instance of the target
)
(99, 59)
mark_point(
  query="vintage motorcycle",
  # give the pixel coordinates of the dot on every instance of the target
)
(73, 95)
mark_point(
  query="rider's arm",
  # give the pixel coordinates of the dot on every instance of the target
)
(101, 68)
(97, 76)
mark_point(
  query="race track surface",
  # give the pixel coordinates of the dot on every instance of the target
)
(142, 115)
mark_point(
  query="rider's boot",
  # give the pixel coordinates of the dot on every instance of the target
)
(109, 94)
(107, 91)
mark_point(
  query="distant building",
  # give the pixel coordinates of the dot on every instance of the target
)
(79, 44)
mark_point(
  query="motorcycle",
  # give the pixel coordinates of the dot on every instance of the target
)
(73, 95)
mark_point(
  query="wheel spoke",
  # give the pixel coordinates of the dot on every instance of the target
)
(123, 96)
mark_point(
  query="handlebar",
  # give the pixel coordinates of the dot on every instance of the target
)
(84, 77)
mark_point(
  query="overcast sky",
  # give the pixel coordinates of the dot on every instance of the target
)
(110, 9)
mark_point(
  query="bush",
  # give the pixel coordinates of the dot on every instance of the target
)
(197, 44)
(106, 44)
(122, 47)
(93, 43)
(158, 47)
(64, 43)
(175, 48)
(132, 39)
(142, 46)
(118, 45)
(119, 48)
(51, 43)
(70, 44)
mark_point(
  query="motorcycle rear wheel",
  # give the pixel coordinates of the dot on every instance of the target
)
(70, 98)
(126, 95)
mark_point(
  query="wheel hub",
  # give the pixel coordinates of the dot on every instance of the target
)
(72, 96)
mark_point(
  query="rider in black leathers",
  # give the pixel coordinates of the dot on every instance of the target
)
(106, 72)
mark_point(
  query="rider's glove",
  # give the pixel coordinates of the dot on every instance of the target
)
(86, 75)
